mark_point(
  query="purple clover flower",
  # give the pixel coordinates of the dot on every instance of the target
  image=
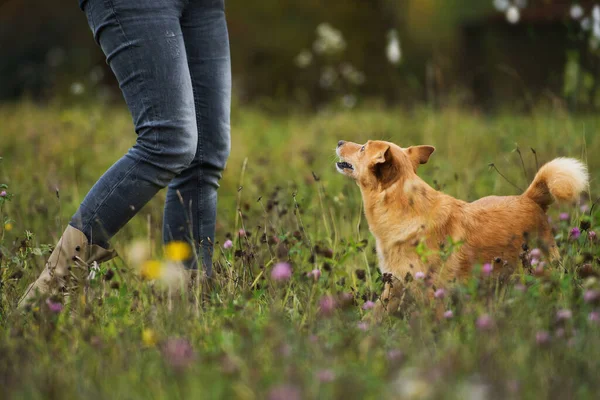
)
(327, 305)
(542, 338)
(484, 322)
(564, 314)
(575, 233)
(368, 305)
(325, 376)
(315, 274)
(178, 353)
(487, 269)
(54, 307)
(281, 272)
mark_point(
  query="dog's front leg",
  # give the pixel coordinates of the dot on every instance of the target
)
(391, 302)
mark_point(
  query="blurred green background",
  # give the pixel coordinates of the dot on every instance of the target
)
(486, 54)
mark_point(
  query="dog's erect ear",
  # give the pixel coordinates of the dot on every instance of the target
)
(384, 167)
(383, 155)
(419, 154)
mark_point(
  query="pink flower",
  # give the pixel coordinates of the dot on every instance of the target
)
(178, 353)
(534, 261)
(368, 305)
(439, 294)
(584, 208)
(520, 287)
(487, 269)
(285, 350)
(591, 296)
(594, 316)
(3, 193)
(535, 253)
(325, 376)
(542, 338)
(484, 322)
(395, 355)
(327, 305)
(564, 314)
(419, 275)
(284, 392)
(592, 236)
(564, 217)
(575, 233)
(242, 233)
(54, 307)
(315, 274)
(281, 272)
(449, 314)
(513, 386)
(228, 244)
(363, 326)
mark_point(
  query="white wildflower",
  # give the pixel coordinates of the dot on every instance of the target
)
(328, 77)
(521, 3)
(77, 88)
(586, 24)
(513, 15)
(501, 5)
(393, 51)
(329, 40)
(576, 11)
(349, 101)
(304, 59)
(596, 30)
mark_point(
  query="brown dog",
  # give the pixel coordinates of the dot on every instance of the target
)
(412, 223)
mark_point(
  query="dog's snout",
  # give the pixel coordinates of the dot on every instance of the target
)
(341, 143)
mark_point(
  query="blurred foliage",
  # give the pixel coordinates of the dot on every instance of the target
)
(451, 50)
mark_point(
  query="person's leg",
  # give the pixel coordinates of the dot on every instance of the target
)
(191, 206)
(144, 46)
(145, 49)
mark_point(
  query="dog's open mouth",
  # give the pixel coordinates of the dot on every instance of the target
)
(344, 165)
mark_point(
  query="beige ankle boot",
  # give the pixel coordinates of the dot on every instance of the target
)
(72, 249)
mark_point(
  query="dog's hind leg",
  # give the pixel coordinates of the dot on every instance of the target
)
(548, 243)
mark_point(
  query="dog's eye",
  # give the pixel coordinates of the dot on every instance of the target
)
(362, 149)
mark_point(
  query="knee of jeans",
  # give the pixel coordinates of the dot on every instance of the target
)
(185, 149)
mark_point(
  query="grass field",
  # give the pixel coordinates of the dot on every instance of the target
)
(253, 337)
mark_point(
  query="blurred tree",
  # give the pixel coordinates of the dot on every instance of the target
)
(443, 47)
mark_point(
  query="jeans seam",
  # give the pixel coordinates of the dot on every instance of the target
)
(198, 174)
(143, 99)
(114, 11)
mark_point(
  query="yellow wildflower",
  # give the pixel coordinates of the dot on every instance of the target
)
(151, 270)
(8, 226)
(178, 251)
(148, 337)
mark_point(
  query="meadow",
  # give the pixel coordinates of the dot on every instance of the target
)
(260, 335)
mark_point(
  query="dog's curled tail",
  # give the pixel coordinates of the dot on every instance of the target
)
(562, 179)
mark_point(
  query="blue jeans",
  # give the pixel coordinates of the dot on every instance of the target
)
(171, 59)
